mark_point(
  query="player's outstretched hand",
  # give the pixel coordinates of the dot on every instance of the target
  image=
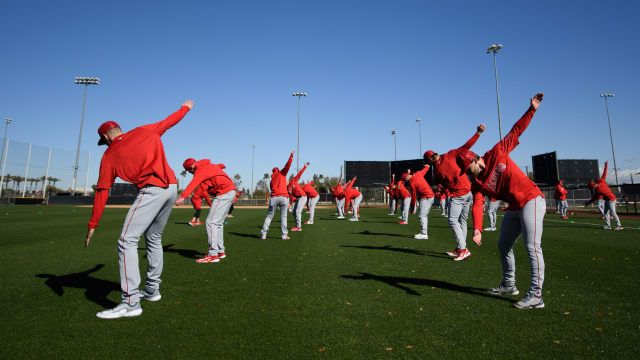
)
(292, 152)
(188, 103)
(307, 163)
(481, 128)
(477, 237)
(536, 100)
(88, 239)
(179, 201)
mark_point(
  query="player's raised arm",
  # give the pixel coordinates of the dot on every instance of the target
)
(479, 130)
(510, 141)
(162, 126)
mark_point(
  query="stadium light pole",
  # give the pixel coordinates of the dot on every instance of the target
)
(298, 94)
(395, 145)
(86, 81)
(419, 121)
(494, 48)
(7, 121)
(606, 104)
(253, 150)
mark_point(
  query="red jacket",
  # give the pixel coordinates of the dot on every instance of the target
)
(279, 180)
(310, 190)
(136, 156)
(502, 179)
(349, 192)
(401, 190)
(200, 193)
(296, 189)
(447, 172)
(560, 193)
(338, 192)
(419, 186)
(602, 191)
(216, 180)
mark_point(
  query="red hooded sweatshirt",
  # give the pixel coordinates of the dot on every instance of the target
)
(296, 189)
(279, 180)
(602, 191)
(216, 180)
(447, 172)
(310, 190)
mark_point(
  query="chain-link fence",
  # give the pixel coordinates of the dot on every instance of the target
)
(28, 170)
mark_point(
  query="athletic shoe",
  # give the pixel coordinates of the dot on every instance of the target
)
(504, 290)
(222, 255)
(488, 229)
(453, 252)
(263, 237)
(122, 310)
(198, 222)
(602, 217)
(295, 228)
(286, 237)
(193, 223)
(390, 214)
(462, 254)
(606, 227)
(619, 228)
(565, 217)
(402, 222)
(530, 302)
(154, 296)
(400, 217)
(353, 219)
(340, 217)
(208, 259)
(309, 223)
(349, 212)
(421, 236)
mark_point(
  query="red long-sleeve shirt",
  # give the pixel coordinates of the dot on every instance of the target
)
(310, 190)
(349, 192)
(560, 193)
(401, 190)
(137, 157)
(200, 193)
(216, 180)
(447, 172)
(279, 180)
(602, 191)
(296, 189)
(419, 186)
(502, 179)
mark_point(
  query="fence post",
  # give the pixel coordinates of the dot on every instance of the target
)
(4, 162)
(46, 175)
(26, 174)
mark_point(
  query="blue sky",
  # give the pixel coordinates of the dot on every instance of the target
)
(368, 67)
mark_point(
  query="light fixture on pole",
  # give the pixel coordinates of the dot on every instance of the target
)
(606, 103)
(253, 149)
(298, 94)
(419, 121)
(86, 81)
(395, 145)
(494, 49)
(7, 121)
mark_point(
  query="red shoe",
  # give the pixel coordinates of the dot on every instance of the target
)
(565, 217)
(193, 223)
(309, 222)
(295, 229)
(198, 222)
(208, 259)
(286, 238)
(402, 222)
(229, 215)
(453, 252)
(462, 254)
(222, 255)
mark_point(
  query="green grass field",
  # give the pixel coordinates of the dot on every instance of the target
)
(337, 290)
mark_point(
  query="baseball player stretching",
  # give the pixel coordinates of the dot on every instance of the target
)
(312, 200)
(423, 194)
(497, 176)
(137, 156)
(338, 195)
(301, 198)
(404, 196)
(492, 210)
(220, 185)
(353, 194)
(448, 174)
(196, 201)
(561, 199)
(602, 189)
(392, 197)
(279, 199)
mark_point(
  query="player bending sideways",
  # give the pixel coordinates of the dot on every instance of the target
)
(560, 194)
(301, 198)
(497, 176)
(601, 188)
(404, 197)
(137, 156)
(279, 199)
(352, 194)
(423, 194)
(448, 174)
(220, 185)
(312, 200)
(196, 202)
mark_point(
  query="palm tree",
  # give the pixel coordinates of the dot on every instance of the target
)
(18, 179)
(43, 179)
(31, 180)
(6, 181)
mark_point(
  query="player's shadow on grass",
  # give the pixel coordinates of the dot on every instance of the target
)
(402, 250)
(97, 290)
(188, 253)
(397, 282)
(367, 232)
(181, 223)
(251, 236)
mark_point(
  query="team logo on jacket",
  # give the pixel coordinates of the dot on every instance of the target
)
(495, 174)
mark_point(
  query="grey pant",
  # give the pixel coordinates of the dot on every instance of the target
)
(278, 202)
(458, 213)
(312, 206)
(340, 206)
(528, 222)
(148, 215)
(600, 207)
(356, 206)
(406, 205)
(443, 205)
(558, 206)
(298, 205)
(392, 205)
(564, 205)
(423, 214)
(492, 209)
(610, 210)
(220, 206)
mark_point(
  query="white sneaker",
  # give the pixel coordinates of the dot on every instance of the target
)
(421, 236)
(606, 227)
(122, 310)
(340, 217)
(154, 296)
(353, 219)
(619, 228)
(263, 236)
(488, 229)
(530, 302)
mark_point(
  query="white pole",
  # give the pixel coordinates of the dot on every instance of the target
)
(4, 162)
(86, 181)
(26, 173)
(46, 175)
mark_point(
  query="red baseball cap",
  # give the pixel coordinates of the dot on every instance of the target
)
(591, 184)
(103, 130)
(188, 163)
(428, 154)
(464, 159)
